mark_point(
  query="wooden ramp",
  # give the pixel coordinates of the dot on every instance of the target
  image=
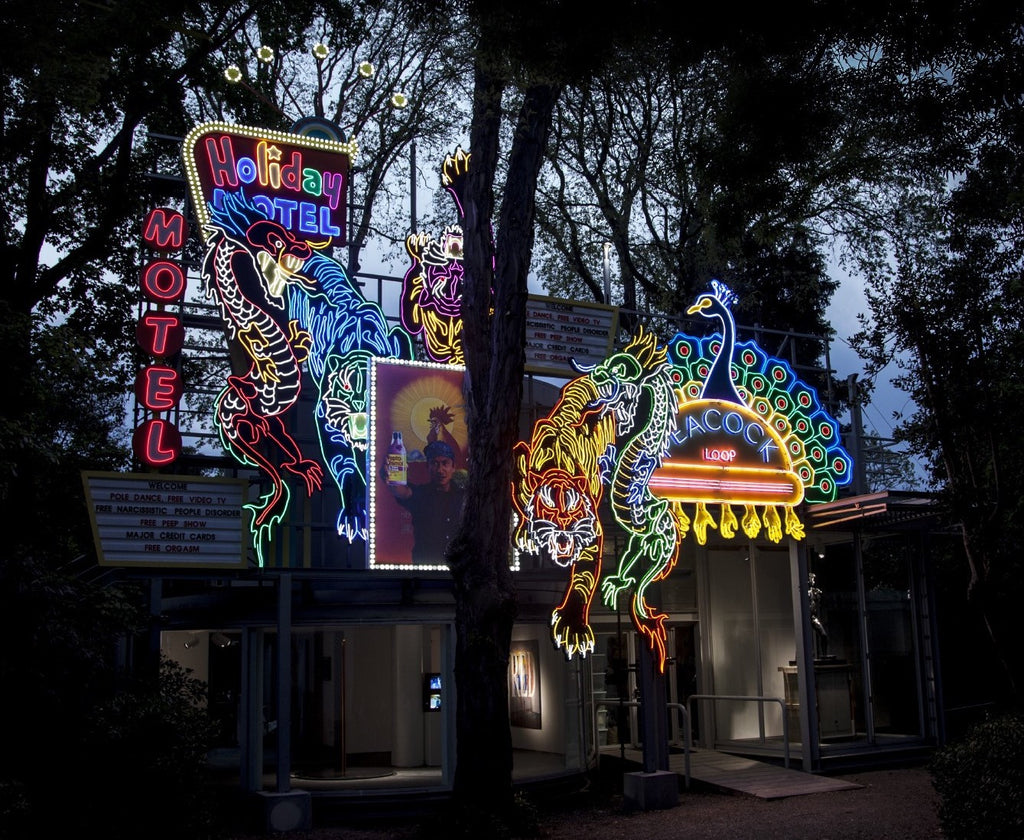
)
(744, 775)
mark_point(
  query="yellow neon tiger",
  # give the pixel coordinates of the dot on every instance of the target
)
(556, 489)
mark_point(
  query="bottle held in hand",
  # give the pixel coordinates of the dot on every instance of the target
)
(397, 463)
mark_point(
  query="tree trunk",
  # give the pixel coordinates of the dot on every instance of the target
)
(494, 310)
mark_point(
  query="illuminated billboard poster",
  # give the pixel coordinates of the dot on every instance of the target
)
(297, 181)
(419, 457)
(702, 425)
(290, 309)
(432, 287)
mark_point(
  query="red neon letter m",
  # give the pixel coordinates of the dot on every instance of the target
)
(164, 230)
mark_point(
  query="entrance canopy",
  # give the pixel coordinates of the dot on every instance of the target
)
(888, 510)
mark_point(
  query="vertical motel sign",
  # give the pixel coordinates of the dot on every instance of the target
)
(161, 334)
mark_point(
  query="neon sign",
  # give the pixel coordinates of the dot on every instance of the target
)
(292, 310)
(557, 489)
(298, 182)
(157, 442)
(698, 424)
(163, 281)
(158, 387)
(636, 387)
(432, 288)
(246, 274)
(161, 334)
(165, 230)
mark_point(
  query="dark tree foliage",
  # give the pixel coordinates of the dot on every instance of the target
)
(59, 663)
(524, 55)
(83, 84)
(947, 299)
(979, 780)
(890, 132)
(743, 164)
(370, 52)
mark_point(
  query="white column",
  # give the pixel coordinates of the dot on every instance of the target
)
(409, 714)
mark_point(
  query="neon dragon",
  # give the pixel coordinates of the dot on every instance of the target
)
(309, 298)
(250, 409)
(636, 385)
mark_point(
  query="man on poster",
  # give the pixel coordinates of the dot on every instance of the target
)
(435, 507)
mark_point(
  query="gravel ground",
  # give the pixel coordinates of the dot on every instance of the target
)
(896, 804)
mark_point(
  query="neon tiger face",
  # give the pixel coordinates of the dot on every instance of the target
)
(561, 517)
(343, 399)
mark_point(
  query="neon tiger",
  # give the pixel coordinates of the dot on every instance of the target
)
(556, 490)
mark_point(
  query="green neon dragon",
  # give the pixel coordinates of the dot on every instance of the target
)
(636, 387)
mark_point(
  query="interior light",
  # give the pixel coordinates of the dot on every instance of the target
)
(220, 640)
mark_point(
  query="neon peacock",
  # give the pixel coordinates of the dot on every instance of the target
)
(725, 386)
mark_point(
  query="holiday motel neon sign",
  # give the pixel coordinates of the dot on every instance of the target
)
(296, 181)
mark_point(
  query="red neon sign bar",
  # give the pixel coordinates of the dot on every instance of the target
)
(157, 441)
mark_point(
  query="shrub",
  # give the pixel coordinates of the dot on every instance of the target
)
(979, 780)
(149, 747)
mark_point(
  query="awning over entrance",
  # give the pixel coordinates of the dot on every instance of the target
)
(884, 511)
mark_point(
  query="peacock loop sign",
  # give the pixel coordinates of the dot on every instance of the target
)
(689, 437)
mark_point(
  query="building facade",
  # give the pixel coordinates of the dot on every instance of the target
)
(328, 645)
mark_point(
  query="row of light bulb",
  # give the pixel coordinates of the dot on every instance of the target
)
(366, 70)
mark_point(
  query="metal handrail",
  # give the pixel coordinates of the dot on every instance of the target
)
(757, 698)
(686, 728)
(686, 740)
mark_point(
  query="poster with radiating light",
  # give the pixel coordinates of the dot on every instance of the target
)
(415, 510)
